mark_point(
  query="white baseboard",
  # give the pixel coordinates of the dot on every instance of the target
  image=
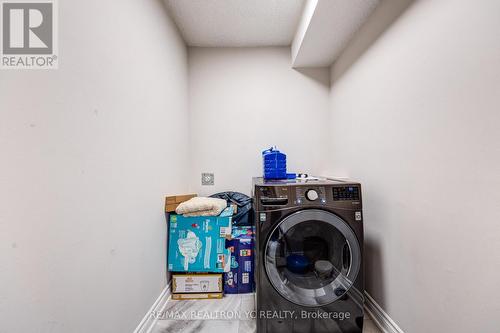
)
(380, 317)
(149, 321)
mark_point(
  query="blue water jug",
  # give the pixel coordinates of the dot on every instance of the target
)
(274, 164)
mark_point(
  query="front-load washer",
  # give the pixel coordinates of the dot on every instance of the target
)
(309, 256)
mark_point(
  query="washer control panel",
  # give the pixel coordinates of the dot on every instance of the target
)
(346, 193)
(282, 195)
(311, 195)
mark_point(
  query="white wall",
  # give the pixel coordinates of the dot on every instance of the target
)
(243, 100)
(86, 159)
(416, 119)
(326, 28)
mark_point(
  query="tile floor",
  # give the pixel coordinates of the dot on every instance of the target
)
(230, 314)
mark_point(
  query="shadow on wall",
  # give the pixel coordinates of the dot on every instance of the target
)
(373, 262)
(386, 13)
(319, 74)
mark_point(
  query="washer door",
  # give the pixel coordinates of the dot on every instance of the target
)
(312, 257)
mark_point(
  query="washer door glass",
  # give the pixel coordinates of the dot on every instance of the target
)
(312, 257)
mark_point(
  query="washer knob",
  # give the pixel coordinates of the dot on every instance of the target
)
(312, 195)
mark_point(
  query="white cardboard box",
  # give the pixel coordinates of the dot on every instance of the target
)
(197, 283)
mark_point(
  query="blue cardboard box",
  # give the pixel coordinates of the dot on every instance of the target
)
(197, 244)
(240, 279)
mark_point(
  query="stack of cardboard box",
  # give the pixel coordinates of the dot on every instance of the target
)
(197, 253)
(171, 202)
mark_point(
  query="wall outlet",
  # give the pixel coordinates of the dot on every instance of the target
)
(207, 178)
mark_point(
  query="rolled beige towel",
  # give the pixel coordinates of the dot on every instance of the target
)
(201, 206)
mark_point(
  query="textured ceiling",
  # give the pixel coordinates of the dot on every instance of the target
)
(236, 22)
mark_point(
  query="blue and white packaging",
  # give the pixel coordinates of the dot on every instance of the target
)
(198, 244)
(240, 279)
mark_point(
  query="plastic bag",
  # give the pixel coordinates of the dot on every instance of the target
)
(244, 215)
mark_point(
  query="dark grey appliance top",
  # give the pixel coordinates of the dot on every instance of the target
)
(307, 193)
(321, 181)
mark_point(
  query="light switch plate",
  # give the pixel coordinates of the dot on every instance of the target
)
(207, 178)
